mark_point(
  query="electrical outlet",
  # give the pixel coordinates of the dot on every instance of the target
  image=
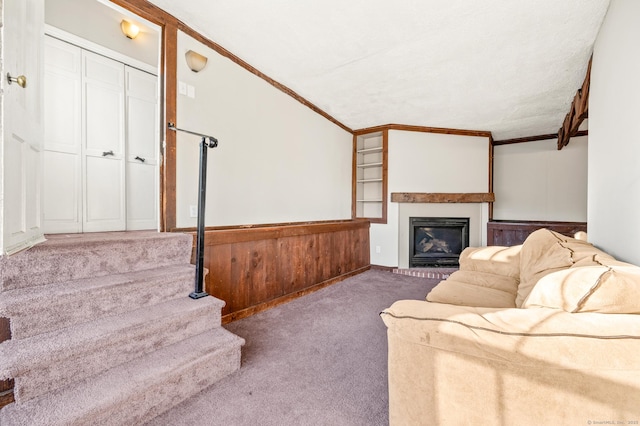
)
(193, 211)
(378, 249)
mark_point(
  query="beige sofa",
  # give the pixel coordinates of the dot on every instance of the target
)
(543, 333)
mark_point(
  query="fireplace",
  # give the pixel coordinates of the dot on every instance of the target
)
(437, 241)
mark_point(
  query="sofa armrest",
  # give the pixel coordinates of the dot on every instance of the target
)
(466, 364)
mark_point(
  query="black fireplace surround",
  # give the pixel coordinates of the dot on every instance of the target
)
(437, 241)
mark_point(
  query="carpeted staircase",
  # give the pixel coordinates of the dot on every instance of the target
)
(103, 330)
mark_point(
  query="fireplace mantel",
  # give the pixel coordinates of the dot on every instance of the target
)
(443, 197)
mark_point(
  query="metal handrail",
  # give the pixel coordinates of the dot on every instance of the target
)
(206, 142)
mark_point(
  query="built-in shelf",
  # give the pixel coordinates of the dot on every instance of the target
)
(370, 176)
(369, 180)
(370, 150)
(369, 165)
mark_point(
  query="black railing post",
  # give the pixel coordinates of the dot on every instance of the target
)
(202, 198)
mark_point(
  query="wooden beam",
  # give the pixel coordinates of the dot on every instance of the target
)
(536, 138)
(442, 197)
(407, 128)
(577, 113)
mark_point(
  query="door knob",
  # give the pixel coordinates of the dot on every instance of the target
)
(21, 80)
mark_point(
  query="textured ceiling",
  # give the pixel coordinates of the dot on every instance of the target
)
(510, 67)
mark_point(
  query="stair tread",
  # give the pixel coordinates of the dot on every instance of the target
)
(19, 354)
(70, 257)
(58, 241)
(118, 386)
(14, 301)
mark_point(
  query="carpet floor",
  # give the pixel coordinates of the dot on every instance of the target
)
(318, 360)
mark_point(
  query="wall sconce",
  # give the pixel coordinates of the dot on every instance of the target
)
(195, 60)
(129, 29)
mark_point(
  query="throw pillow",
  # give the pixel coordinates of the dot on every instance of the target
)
(541, 254)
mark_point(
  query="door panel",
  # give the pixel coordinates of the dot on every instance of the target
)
(104, 120)
(23, 125)
(142, 116)
(142, 150)
(62, 190)
(142, 130)
(62, 96)
(103, 107)
(104, 194)
(15, 218)
(103, 144)
(142, 201)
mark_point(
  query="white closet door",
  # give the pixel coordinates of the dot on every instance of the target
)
(142, 149)
(103, 143)
(62, 185)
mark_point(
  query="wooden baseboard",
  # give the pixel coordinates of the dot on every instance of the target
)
(244, 313)
(383, 268)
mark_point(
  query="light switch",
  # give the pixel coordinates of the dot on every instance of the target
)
(191, 91)
(182, 88)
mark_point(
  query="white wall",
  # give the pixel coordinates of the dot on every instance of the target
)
(100, 24)
(535, 181)
(277, 160)
(614, 134)
(430, 162)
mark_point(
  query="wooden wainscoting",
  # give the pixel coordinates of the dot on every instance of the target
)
(512, 232)
(6, 386)
(257, 267)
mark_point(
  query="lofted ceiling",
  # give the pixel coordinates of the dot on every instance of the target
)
(511, 67)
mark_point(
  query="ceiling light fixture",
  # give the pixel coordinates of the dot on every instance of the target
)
(129, 29)
(195, 61)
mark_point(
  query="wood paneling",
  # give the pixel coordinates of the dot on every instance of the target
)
(5, 329)
(6, 392)
(254, 268)
(6, 386)
(442, 197)
(511, 233)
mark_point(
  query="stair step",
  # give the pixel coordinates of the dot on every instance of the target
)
(137, 391)
(46, 362)
(65, 304)
(75, 256)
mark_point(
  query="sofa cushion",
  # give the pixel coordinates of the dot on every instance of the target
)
(545, 252)
(611, 287)
(493, 259)
(541, 254)
(471, 288)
